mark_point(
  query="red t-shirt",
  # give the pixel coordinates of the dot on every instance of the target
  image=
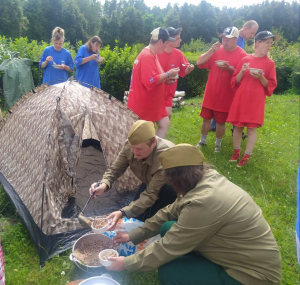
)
(218, 93)
(146, 97)
(171, 60)
(248, 105)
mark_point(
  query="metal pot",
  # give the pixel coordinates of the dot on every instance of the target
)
(104, 279)
(89, 237)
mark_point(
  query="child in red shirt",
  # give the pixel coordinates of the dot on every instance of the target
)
(248, 106)
(146, 93)
(218, 93)
(173, 58)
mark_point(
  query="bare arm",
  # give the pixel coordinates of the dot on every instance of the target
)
(205, 57)
(241, 73)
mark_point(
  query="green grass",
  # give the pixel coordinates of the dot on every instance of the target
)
(270, 179)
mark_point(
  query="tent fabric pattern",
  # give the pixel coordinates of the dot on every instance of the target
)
(40, 139)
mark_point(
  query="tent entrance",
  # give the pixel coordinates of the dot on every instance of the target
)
(90, 169)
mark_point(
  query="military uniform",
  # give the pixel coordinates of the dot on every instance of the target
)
(149, 171)
(219, 221)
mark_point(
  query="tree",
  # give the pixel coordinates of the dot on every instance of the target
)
(91, 9)
(224, 20)
(12, 21)
(131, 26)
(110, 29)
(172, 18)
(74, 22)
(185, 16)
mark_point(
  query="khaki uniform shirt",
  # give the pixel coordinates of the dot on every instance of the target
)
(221, 222)
(148, 171)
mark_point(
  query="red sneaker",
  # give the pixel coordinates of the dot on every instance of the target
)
(236, 155)
(245, 160)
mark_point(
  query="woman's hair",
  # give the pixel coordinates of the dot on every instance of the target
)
(58, 34)
(185, 178)
(94, 39)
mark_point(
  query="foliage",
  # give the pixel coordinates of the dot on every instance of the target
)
(270, 179)
(131, 21)
(115, 72)
(287, 61)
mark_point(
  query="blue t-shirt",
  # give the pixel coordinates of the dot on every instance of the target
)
(89, 71)
(241, 42)
(53, 75)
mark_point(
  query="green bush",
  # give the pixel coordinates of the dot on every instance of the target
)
(287, 61)
(115, 72)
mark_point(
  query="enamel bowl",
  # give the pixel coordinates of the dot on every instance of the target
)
(105, 262)
(220, 62)
(101, 230)
(254, 70)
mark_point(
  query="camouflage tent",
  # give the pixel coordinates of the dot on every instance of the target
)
(40, 146)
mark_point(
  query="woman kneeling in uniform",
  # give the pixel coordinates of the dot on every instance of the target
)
(214, 233)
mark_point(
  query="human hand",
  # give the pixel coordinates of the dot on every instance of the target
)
(245, 67)
(99, 190)
(49, 58)
(113, 219)
(225, 66)
(189, 69)
(174, 71)
(258, 75)
(215, 47)
(121, 237)
(94, 56)
(117, 265)
(62, 66)
(170, 81)
(100, 60)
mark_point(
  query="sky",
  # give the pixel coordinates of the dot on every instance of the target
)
(217, 3)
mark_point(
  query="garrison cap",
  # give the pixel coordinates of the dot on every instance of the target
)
(141, 131)
(181, 155)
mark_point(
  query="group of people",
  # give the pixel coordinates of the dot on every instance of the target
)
(237, 87)
(212, 232)
(235, 92)
(57, 61)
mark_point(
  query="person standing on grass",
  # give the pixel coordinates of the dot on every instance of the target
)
(248, 106)
(218, 93)
(246, 33)
(56, 60)
(214, 233)
(140, 154)
(87, 61)
(147, 87)
(173, 58)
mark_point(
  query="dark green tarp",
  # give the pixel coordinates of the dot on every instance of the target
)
(17, 78)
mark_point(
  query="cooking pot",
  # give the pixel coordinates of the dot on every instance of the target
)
(104, 279)
(85, 238)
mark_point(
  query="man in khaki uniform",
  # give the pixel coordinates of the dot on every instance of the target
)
(140, 153)
(218, 234)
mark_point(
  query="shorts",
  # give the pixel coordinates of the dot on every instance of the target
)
(208, 114)
(169, 99)
(248, 125)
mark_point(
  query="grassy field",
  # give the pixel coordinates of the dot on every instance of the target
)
(270, 179)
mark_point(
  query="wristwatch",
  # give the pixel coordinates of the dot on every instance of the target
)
(123, 213)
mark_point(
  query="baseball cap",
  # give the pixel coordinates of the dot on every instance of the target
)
(230, 32)
(161, 34)
(173, 32)
(266, 35)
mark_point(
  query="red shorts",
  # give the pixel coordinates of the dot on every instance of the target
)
(169, 100)
(248, 125)
(208, 114)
